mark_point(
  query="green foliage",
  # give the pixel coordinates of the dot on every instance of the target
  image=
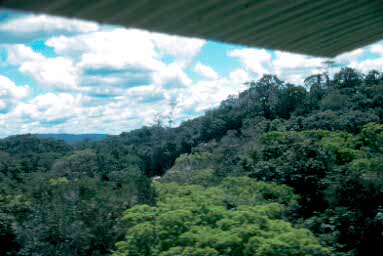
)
(335, 102)
(57, 202)
(204, 177)
(238, 217)
(80, 164)
(67, 218)
(338, 177)
(348, 78)
(373, 77)
(192, 169)
(26, 144)
(59, 181)
(313, 155)
(372, 137)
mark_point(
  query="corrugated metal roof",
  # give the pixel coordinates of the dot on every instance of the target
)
(315, 27)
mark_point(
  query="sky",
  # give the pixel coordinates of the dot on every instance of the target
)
(69, 76)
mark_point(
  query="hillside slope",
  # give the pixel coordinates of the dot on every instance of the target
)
(72, 138)
(276, 170)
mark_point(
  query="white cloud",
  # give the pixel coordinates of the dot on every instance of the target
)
(256, 61)
(23, 28)
(181, 48)
(126, 49)
(117, 58)
(294, 68)
(207, 94)
(124, 57)
(171, 76)
(135, 53)
(296, 79)
(288, 66)
(239, 75)
(10, 94)
(205, 71)
(115, 49)
(49, 108)
(349, 57)
(367, 65)
(56, 73)
(19, 54)
(31, 24)
(98, 65)
(3, 105)
(117, 79)
(9, 89)
(53, 73)
(377, 48)
(285, 60)
(141, 92)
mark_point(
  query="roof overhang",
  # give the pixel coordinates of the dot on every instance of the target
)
(314, 27)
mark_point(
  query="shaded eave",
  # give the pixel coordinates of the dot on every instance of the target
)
(314, 27)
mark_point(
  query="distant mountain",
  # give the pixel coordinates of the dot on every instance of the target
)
(72, 138)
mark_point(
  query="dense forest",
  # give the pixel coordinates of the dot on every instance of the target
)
(72, 138)
(279, 169)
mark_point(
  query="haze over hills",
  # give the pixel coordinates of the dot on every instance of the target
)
(72, 138)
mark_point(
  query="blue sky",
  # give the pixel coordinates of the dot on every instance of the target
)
(61, 75)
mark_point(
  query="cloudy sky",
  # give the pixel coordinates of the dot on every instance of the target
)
(60, 75)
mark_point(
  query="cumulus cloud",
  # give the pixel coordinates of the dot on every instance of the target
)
(295, 78)
(181, 48)
(370, 64)
(293, 68)
(288, 66)
(52, 73)
(142, 94)
(117, 57)
(115, 49)
(171, 76)
(46, 113)
(10, 89)
(125, 49)
(21, 28)
(289, 60)
(239, 75)
(35, 23)
(132, 57)
(205, 71)
(19, 54)
(206, 94)
(349, 57)
(257, 61)
(115, 80)
(55, 73)
(10, 93)
(50, 108)
(108, 79)
(377, 48)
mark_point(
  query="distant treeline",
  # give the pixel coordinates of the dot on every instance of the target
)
(72, 138)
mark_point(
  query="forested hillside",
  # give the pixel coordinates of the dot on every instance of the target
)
(72, 138)
(279, 169)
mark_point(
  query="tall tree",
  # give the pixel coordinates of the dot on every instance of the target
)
(265, 91)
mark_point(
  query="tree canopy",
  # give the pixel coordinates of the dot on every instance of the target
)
(279, 169)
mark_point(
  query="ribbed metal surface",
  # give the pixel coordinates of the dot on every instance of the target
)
(315, 27)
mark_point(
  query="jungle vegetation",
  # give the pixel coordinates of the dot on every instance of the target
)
(279, 169)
